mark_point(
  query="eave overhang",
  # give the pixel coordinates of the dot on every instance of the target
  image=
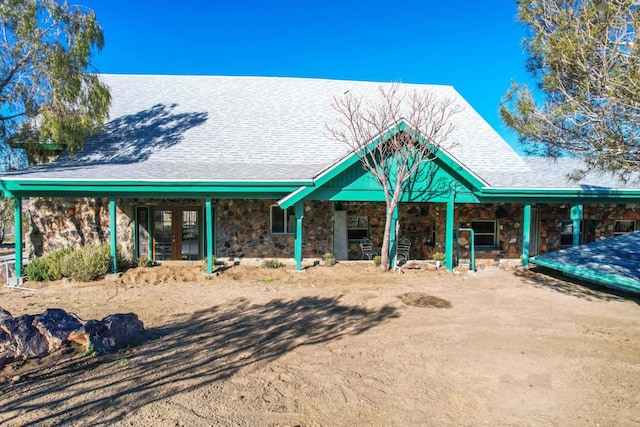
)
(25, 187)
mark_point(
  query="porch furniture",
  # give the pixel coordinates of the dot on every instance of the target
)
(402, 251)
(367, 248)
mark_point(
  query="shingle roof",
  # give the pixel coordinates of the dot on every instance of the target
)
(210, 128)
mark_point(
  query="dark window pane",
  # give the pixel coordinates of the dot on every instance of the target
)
(484, 240)
(484, 227)
(277, 219)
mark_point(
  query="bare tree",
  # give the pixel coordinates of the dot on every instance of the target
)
(395, 138)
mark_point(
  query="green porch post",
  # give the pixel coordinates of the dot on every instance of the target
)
(526, 235)
(113, 234)
(393, 237)
(576, 217)
(299, 210)
(448, 245)
(209, 220)
(17, 209)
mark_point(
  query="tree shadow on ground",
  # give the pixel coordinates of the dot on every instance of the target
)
(550, 279)
(206, 347)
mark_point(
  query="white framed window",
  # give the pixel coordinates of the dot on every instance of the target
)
(624, 226)
(283, 221)
(484, 233)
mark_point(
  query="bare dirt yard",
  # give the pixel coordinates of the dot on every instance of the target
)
(337, 346)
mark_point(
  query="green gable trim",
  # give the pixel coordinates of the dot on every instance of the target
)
(444, 160)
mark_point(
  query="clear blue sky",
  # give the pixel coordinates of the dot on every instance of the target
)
(474, 46)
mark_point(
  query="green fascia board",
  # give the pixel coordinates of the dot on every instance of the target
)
(39, 145)
(609, 280)
(443, 159)
(559, 195)
(134, 188)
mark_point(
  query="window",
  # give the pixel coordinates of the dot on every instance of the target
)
(357, 227)
(485, 233)
(566, 233)
(282, 221)
(623, 226)
(142, 234)
(587, 232)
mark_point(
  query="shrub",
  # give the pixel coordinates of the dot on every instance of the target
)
(54, 263)
(37, 270)
(87, 263)
(329, 258)
(377, 260)
(272, 263)
(145, 262)
(439, 256)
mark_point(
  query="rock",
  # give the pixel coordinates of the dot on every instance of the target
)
(56, 325)
(23, 339)
(113, 332)
(4, 314)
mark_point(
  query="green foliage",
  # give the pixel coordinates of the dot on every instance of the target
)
(272, 263)
(6, 215)
(48, 267)
(87, 263)
(439, 256)
(585, 57)
(54, 263)
(37, 270)
(49, 91)
(377, 260)
(329, 259)
(146, 262)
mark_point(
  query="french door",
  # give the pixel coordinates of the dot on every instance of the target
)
(176, 233)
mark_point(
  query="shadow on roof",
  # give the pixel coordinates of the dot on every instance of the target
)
(133, 138)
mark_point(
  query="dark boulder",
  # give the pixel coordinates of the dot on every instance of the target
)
(56, 325)
(111, 333)
(22, 340)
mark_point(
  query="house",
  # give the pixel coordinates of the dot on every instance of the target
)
(191, 167)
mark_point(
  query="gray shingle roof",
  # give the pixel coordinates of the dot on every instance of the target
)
(247, 128)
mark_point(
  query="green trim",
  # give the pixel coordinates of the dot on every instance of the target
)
(526, 234)
(209, 221)
(113, 235)
(17, 211)
(576, 217)
(448, 245)
(444, 160)
(38, 145)
(610, 280)
(551, 195)
(299, 211)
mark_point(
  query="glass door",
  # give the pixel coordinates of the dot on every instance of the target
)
(190, 237)
(163, 237)
(176, 234)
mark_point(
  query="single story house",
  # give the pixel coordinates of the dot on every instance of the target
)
(192, 167)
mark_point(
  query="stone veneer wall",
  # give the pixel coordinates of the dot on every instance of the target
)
(58, 223)
(243, 230)
(603, 216)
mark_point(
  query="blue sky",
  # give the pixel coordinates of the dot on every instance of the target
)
(474, 46)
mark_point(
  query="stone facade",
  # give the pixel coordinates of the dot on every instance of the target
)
(55, 223)
(242, 227)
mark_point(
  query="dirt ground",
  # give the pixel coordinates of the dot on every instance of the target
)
(337, 346)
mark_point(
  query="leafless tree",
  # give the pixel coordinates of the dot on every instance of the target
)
(395, 136)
